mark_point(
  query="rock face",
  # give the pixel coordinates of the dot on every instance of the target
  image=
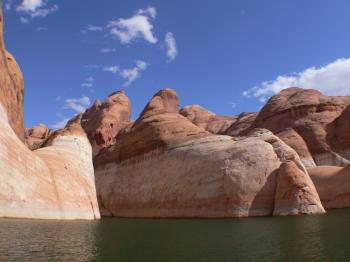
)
(242, 125)
(12, 87)
(159, 126)
(36, 136)
(216, 124)
(303, 118)
(165, 166)
(295, 192)
(103, 121)
(55, 182)
(333, 185)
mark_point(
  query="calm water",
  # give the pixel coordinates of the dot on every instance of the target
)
(305, 238)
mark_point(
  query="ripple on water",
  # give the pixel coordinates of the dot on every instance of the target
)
(303, 238)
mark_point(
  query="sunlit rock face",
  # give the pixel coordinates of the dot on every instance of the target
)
(102, 122)
(295, 193)
(55, 182)
(332, 184)
(166, 166)
(209, 121)
(36, 136)
(309, 122)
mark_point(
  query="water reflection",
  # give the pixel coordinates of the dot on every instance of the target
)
(304, 238)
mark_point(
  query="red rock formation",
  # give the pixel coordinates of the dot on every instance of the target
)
(242, 125)
(159, 126)
(12, 87)
(216, 124)
(55, 182)
(308, 113)
(165, 166)
(333, 185)
(36, 136)
(295, 193)
(103, 121)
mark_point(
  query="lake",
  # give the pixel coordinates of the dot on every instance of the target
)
(303, 238)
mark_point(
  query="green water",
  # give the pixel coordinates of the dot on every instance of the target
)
(304, 238)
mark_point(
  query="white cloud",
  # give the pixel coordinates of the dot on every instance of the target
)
(24, 20)
(107, 50)
(133, 73)
(43, 12)
(89, 82)
(170, 44)
(149, 11)
(112, 69)
(78, 105)
(30, 5)
(94, 28)
(8, 5)
(36, 8)
(137, 26)
(39, 29)
(331, 79)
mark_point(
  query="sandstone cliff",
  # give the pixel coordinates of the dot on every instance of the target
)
(165, 166)
(304, 118)
(55, 182)
(103, 121)
(216, 124)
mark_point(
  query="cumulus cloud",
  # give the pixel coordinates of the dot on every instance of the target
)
(112, 69)
(107, 50)
(149, 11)
(138, 26)
(94, 28)
(331, 79)
(133, 73)
(39, 29)
(36, 8)
(171, 47)
(89, 82)
(24, 20)
(78, 105)
(8, 5)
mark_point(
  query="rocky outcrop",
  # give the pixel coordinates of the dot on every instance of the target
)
(295, 193)
(242, 125)
(176, 169)
(55, 182)
(103, 121)
(12, 87)
(36, 136)
(216, 124)
(333, 185)
(306, 115)
(159, 127)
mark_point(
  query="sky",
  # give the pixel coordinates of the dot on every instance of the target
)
(229, 56)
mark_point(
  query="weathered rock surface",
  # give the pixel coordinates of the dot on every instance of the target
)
(242, 125)
(55, 182)
(209, 121)
(165, 166)
(103, 121)
(333, 185)
(309, 114)
(36, 136)
(12, 87)
(295, 194)
(159, 126)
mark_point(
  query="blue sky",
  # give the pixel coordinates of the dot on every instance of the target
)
(226, 55)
